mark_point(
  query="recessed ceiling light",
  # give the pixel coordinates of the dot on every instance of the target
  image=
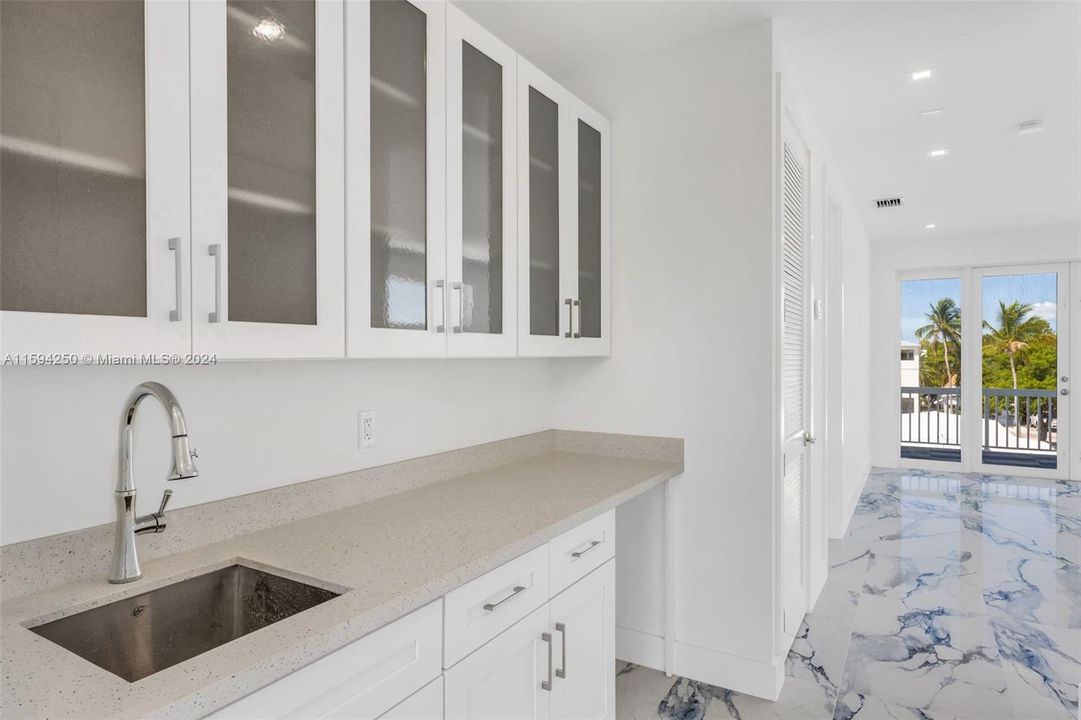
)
(917, 75)
(1030, 127)
(939, 152)
(933, 112)
(929, 226)
(268, 29)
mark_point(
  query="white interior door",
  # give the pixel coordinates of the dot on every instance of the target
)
(503, 679)
(795, 375)
(482, 201)
(268, 178)
(583, 617)
(395, 114)
(1018, 389)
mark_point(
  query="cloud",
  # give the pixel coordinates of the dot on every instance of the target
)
(1046, 310)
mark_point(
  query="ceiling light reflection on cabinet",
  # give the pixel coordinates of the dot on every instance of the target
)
(939, 152)
(925, 74)
(268, 29)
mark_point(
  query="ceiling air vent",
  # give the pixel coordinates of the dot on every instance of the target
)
(889, 202)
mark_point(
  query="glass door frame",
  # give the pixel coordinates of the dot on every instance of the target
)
(971, 297)
(972, 395)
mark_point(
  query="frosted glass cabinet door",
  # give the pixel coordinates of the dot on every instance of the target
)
(563, 222)
(481, 186)
(268, 178)
(396, 179)
(591, 334)
(94, 180)
(545, 233)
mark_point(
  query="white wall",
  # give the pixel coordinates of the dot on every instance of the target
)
(928, 252)
(692, 209)
(691, 337)
(255, 425)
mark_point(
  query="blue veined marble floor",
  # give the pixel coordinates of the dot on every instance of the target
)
(952, 596)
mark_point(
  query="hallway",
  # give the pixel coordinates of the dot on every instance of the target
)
(951, 596)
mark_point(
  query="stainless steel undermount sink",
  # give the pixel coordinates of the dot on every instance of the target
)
(142, 634)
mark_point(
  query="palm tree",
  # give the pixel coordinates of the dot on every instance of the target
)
(944, 326)
(1017, 329)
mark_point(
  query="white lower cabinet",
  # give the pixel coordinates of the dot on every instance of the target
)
(424, 704)
(360, 681)
(500, 647)
(556, 663)
(583, 617)
(505, 679)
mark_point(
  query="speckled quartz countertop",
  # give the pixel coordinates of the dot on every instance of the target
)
(394, 554)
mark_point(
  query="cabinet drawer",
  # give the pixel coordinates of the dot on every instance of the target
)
(485, 607)
(424, 704)
(362, 680)
(577, 552)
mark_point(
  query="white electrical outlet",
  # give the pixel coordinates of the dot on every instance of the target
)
(366, 425)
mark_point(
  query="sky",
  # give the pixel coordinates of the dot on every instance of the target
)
(1038, 290)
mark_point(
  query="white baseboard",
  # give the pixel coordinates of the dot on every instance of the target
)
(743, 675)
(640, 648)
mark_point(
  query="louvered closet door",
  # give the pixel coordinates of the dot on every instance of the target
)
(794, 375)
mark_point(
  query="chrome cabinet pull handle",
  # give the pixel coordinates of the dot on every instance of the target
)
(578, 305)
(570, 318)
(215, 252)
(547, 684)
(440, 286)
(579, 553)
(174, 245)
(461, 307)
(492, 606)
(562, 671)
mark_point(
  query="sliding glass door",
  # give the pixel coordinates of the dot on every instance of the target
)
(983, 370)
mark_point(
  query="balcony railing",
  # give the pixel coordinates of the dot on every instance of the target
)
(1019, 427)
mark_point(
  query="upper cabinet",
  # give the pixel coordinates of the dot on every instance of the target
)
(482, 242)
(396, 179)
(293, 179)
(267, 164)
(94, 215)
(563, 223)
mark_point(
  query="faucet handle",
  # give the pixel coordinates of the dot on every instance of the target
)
(164, 501)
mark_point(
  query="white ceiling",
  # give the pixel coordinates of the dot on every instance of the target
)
(996, 64)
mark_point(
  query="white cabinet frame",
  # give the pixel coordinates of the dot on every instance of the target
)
(167, 325)
(362, 340)
(461, 29)
(213, 332)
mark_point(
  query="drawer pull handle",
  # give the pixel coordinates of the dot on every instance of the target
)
(579, 553)
(492, 606)
(562, 630)
(547, 684)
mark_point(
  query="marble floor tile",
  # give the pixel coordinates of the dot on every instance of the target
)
(1042, 665)
(951, 597)
(1045, 592)
(936, 662)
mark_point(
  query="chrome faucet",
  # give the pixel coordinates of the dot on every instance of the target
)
(128, 524)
